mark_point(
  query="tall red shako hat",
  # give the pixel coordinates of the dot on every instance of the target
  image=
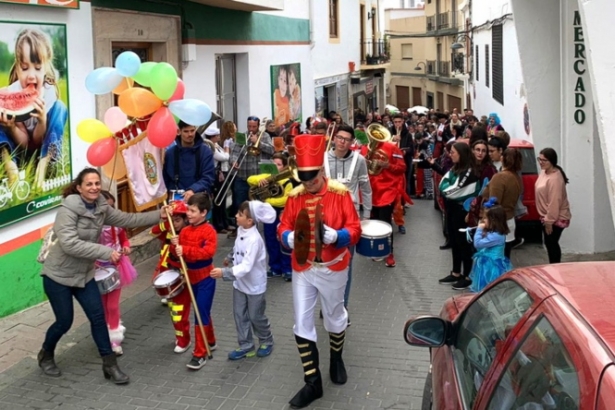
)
(310, 155)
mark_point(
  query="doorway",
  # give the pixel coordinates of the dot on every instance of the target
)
(330, 98)
(454, 102)
(430, 104)
(440, 101)
(403, 97)
(226, 87)
(417, 98)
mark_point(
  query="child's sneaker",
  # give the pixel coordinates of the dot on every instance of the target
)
(196, 363)
(264, 350)
(164, 302)
(117, 349)
(390, 262)
(178, 349)
(238, 354)
(288, 276)
(213, 347)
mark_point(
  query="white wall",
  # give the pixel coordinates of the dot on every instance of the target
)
(253, 77)
(80, 56)
(511, 113)
(298, 9)
(486, 10)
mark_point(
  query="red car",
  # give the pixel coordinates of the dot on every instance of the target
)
(541, 337)
(529, 175)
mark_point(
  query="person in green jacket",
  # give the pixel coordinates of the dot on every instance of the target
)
(68, 269)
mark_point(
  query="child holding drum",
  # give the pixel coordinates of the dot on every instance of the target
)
(197, 244)
(112, 277)
(168, 281)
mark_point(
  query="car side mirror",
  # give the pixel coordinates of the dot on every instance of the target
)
(425, 331)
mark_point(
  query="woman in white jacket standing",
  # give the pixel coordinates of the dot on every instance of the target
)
(221, 158)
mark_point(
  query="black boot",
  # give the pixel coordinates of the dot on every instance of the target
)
(446, 245)
(112, 371)
(46, 362)
(337, 371)
(313, 382)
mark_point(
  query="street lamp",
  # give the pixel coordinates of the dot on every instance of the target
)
(417, 68)
(458, 41)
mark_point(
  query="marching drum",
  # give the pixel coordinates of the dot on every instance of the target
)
(169, 284)
(375, 239)
(107, 279)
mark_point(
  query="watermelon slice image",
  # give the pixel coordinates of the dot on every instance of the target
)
(18, 104)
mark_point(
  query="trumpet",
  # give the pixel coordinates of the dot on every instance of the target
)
(376, 134)
(255, 150)
(273, 189)
(245, 151)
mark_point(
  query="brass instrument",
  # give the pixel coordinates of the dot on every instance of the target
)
(376, 133)
(230, 177)
(273, 189)
(329, 136)
(255, 150)
(214, 117)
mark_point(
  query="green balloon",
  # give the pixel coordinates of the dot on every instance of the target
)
(143, 76)
(176, 118)
(164, 80)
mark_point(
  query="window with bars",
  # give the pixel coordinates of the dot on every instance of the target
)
(487, 65)
(497, 64)
(477, 64)
(333, 20)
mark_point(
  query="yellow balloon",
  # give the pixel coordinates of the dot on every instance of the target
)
(92, 130)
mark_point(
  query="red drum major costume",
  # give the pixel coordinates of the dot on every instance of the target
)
(319, 223)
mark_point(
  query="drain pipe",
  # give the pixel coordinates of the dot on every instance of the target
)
(311, 16)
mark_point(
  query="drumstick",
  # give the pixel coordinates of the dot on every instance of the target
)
(192, 298)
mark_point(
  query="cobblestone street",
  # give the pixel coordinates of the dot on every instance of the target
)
(384, 372)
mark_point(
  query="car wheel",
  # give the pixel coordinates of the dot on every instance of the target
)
(427, 394)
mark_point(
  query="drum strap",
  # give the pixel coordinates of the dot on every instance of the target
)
(335, 260)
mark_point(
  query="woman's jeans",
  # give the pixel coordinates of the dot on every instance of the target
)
(460, 247)
(61, 301)
(552, 244)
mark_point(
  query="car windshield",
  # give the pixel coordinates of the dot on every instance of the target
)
(482, 330)
(530, 166)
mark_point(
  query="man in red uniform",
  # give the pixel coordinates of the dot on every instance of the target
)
(325, 270)
(386, 189)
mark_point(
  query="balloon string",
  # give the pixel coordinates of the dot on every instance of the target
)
(113, 169)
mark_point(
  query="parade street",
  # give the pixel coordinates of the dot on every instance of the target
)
(383, 372)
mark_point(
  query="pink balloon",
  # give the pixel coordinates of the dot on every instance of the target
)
(101, 152)
(179, 91)
(162, 128)
(115, 119)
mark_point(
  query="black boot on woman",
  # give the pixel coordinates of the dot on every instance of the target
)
(112, 371)
(48, 364)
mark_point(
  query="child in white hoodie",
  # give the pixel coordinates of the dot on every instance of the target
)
(249, 276)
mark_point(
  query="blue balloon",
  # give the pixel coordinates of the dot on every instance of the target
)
(127, 63)
(190, 111)
(103, 80)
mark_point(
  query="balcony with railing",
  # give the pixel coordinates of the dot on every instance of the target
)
(440, 71)
(245, 5)
(444, 68)
(444, 23)
(430, 67)
(374, 54)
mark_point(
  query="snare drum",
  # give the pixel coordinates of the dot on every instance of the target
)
(169, 284)
(375, 239)
(107, 279)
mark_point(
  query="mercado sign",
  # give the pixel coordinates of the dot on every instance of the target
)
(579, 69)
(66, 4)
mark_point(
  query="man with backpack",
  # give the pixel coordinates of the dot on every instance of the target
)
(189, 164)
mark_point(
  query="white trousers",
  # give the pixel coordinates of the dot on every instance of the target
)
(307, 285)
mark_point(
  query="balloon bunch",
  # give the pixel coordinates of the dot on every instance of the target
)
(145, 91)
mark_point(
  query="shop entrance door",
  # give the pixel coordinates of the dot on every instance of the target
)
(226, 87)
(331, 99)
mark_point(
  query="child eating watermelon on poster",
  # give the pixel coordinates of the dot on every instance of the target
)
(32, 117)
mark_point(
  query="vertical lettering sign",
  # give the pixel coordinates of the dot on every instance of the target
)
(579, 69)
(67, 4)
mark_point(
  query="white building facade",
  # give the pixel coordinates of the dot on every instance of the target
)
(555, 60)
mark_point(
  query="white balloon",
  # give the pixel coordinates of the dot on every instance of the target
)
(191, 111)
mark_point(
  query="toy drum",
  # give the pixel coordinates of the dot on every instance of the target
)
(375, 239)
(169, 284)
(107, 279)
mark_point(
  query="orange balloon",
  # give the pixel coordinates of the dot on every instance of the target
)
(116, 168)
(124, 85)
(138, 102)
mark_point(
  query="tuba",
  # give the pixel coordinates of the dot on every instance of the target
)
(214, 117)
(273, 189)
(377, 134)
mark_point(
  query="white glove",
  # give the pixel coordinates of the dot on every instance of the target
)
(330, 235)
(291, 240)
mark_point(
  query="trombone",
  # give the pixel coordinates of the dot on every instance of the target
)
(329, 135)
(245, 151)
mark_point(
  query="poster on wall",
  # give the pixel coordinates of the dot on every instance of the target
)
(34, 140)
(319, 96)
(66, 4)
(286, 93)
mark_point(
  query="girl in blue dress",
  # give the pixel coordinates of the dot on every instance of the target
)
(489, 241)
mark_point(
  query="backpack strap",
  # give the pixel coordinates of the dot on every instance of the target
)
(197, 163)
(176, 178)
